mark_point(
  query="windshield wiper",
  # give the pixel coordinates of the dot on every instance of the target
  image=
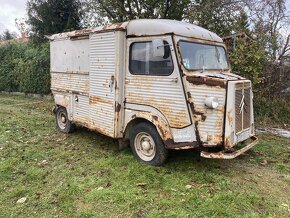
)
(218, 56)
(202, 61)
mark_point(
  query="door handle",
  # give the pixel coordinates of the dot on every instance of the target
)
(112, 81)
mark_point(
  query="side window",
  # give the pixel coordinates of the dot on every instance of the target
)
(143, 62)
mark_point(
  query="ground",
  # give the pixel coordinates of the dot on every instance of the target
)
(85, 175)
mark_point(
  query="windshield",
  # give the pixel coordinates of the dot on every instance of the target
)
(196, 56)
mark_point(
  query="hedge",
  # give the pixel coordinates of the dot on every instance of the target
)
(24, 67)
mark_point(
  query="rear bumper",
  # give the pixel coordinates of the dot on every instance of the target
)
(229, 155)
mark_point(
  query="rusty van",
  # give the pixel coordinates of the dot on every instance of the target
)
(154, 84)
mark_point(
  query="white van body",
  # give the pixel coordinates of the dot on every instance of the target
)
(172, 75)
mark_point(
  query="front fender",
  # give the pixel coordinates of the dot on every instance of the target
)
(160, 124)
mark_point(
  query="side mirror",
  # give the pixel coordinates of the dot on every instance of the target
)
(158, 48)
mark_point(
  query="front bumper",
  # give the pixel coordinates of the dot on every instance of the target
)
(229, 155)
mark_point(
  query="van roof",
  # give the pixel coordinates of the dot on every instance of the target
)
(146, 27)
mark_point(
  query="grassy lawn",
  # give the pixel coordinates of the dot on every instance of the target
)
(84, 175)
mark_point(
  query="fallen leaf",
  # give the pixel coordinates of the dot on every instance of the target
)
(42, 163)
(21, 200)
(264, 162)
(188, 186)
(100, 188)
(141, 184)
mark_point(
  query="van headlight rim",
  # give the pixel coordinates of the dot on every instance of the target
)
(212, 102)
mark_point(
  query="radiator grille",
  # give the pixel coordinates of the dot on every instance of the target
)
(243, 106)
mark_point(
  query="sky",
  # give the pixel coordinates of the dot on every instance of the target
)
(12, 9)
(9, 11)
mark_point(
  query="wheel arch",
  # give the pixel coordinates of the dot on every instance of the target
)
(161, 126)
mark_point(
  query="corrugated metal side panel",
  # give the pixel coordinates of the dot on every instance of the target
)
(213, 124)
(70, 82)
(102, 68)
(161, 93)
(81, 109)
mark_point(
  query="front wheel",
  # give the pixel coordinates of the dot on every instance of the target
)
(146, 144)
(62, 122)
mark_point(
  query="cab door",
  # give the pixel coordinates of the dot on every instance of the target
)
(153, 82)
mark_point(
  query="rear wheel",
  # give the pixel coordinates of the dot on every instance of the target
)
(146, 145)
(62, 122)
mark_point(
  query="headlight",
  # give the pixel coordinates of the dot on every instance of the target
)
(211, 102)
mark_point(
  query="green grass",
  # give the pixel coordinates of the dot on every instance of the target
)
(86, 176)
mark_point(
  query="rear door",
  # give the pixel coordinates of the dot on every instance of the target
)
(102, 82)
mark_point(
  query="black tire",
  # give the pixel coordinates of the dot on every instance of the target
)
(147, 145)
(62, 122)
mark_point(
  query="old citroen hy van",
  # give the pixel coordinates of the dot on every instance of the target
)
(157, 84)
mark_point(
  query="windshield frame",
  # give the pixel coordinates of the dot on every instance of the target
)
(203, 43)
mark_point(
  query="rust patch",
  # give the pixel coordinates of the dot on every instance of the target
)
(155, 117)
(214, 141)
(206, 81)
(197, 133)
(118, 107)
(230, 155)
(228, 143)
(230, 117)
(160, 124)
(93, 127)
(97, 99)
(195, 112)
(170, 144)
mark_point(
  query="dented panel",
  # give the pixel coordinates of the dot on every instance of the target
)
(209, 123)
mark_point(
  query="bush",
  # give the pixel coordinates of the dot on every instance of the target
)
(274, 112)
(270, 106)
(24, 68)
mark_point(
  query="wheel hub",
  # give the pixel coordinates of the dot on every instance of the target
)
(63, 119)
(145, 146)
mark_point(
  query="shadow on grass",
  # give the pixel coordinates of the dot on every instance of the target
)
(178, 159)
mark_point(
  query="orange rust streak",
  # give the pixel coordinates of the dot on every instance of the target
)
(97, 99)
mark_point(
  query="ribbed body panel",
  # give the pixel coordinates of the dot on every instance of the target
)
(77, 82)
(160, 92)
(102, 91)
(81, 109)
(211, 128)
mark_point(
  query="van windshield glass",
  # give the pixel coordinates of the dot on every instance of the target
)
(196, 56)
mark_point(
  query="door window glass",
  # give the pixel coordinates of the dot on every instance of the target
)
(143, 62)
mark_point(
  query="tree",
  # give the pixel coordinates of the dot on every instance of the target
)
(47, 17)
(7, 35)
(271, 25)
(116, 11)
(248, 60)
(22, 26)
(242, 23)
(219, 16)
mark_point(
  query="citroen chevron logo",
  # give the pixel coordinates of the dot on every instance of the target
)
(242, 104)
